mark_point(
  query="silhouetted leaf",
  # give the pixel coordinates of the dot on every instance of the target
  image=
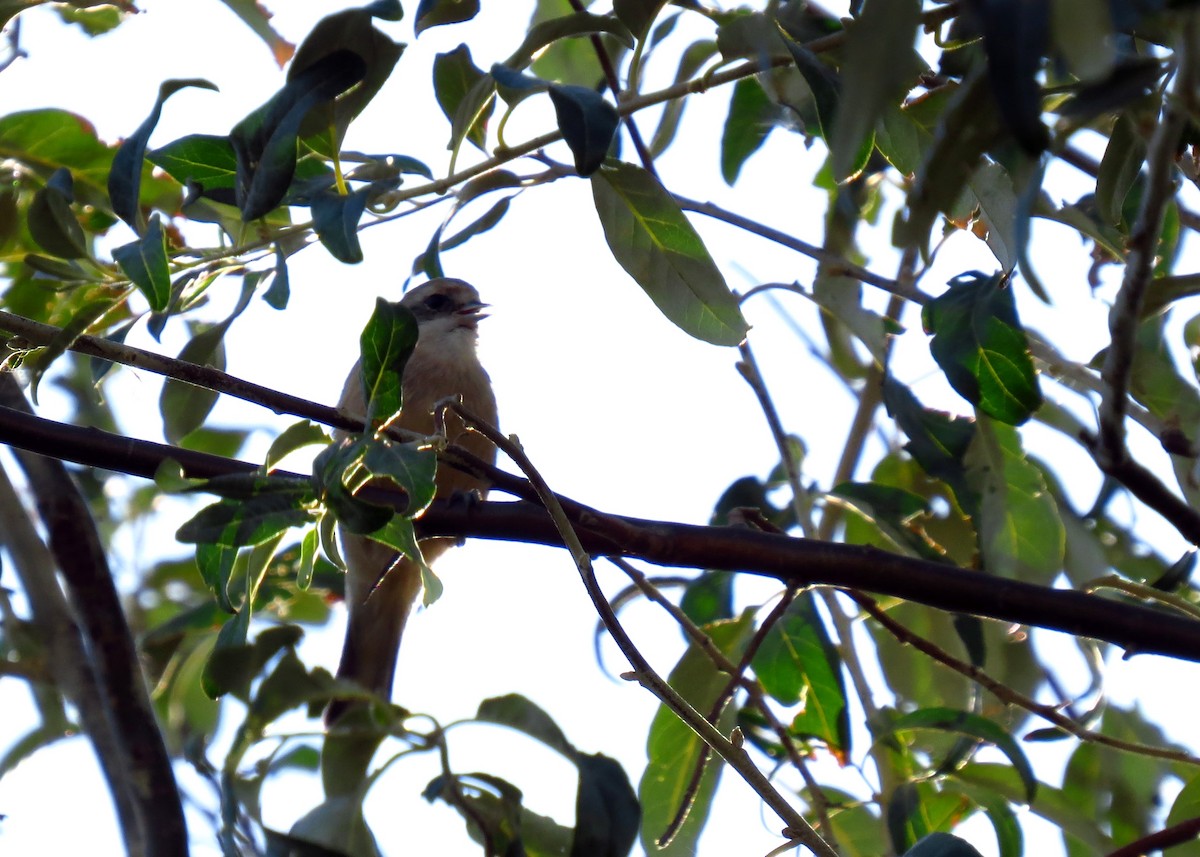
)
(517, 712)
(607, 813)
(125, 178)
(1014, 38)
(265, 141)
(658, 247)
(587, 122)
(257, 18)
(543, 33)
(434, 13)
(937, 440)
(979, 343)
(335, 220)
(1119, 169)
(939, 844)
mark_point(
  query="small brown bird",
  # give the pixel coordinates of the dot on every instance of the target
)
(443, 364)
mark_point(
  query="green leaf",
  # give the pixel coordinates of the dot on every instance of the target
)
(1020, 531)
(879, 66)
(184, 407)
(49, 139)
(455, 76)
(280, 290)
(752, 116)
(145, 263)
(587, 123)
(993, 189)
(656, 245)
(386, 343)
(898, 139)
(797, 662)
(296, 436)
(202, 159)
(410, 466)
(435, 13)
(979, 343)
(517, 712)
(241, 523)
(673, 749)
(1119, 169)
(973, 726)
(708, 598)
(125, 178)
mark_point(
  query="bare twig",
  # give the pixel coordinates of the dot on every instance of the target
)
(1008, 695)
(1139, 266)
(796, 827)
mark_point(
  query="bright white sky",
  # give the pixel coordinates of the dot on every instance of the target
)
(616, 407)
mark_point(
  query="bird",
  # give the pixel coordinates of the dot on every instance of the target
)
(381, 585)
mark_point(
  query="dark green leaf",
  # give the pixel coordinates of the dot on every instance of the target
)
(587, 122)
(52, 223)
(280, 290)
(202, 159)
(822, 80)
(434, 13)
(385, 345)
(939, 844)
(410, 466)
(543, 33)
(657, 246)
(1119, 169)
(751, 118)
(879, 67)
(184, 407)
(937, 440)
(240, 523)
(145, 263)
(607, 813)
(1014, 38)
(125, 179)
(973, 726)
(351, 30)
(265, 141)
(517, 712)
(455, 76)
(335, 220)
(68, 271)
(979, 343)
(296, 436)
(638, 15)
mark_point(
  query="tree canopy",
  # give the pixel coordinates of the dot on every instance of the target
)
(982, 484)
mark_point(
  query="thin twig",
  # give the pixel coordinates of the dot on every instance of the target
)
(1008, 695)
(737, 758)
(1126, 312)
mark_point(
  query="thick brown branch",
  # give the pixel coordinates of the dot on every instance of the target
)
(77, 550)
(1139, 630)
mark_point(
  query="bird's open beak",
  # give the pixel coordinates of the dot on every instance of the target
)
(473, 310)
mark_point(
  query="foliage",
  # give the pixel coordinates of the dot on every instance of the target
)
(943, 126)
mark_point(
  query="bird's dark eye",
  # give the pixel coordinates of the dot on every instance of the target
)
(439, 303)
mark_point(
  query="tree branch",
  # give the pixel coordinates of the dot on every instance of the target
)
(80, 557)
(1138, 629)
